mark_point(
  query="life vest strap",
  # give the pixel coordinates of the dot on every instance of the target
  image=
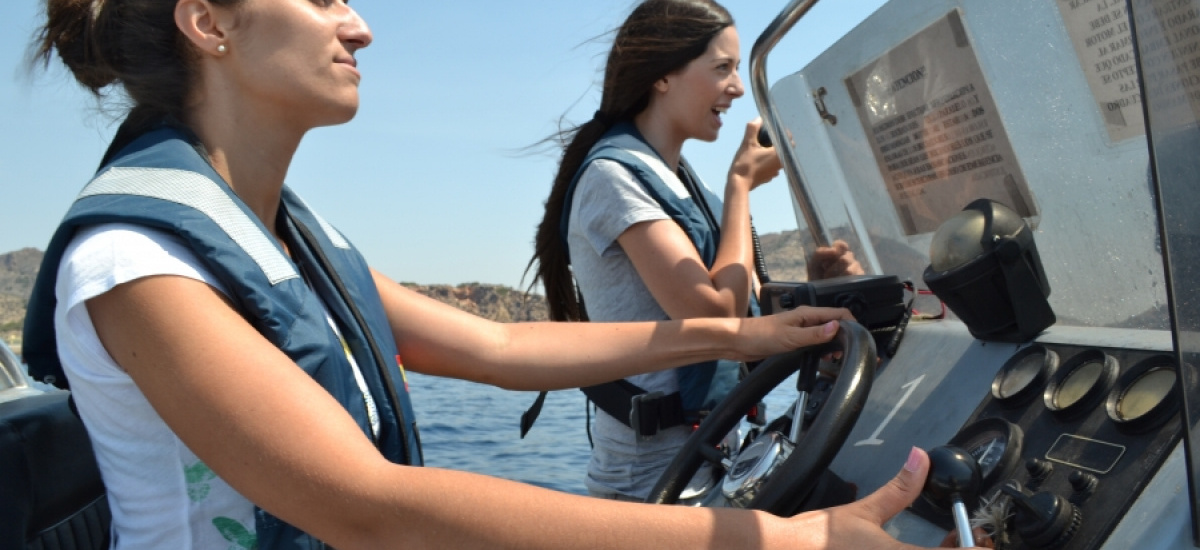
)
(646, 413)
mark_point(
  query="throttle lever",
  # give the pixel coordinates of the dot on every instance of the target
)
(954, 480)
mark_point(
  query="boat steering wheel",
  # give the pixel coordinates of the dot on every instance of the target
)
(767, 475)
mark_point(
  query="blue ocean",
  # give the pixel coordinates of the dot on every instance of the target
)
(476, 428)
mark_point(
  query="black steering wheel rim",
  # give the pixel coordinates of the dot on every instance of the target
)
(796, 476)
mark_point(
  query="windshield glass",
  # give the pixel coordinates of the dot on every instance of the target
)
(925, 107)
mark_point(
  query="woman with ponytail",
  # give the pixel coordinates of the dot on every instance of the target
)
(671, 74)
(630, 232)
(240, 368)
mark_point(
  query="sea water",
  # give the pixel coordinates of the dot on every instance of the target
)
(476, 428)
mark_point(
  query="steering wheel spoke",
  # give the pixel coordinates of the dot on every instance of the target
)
(716, 457)
(796, 429)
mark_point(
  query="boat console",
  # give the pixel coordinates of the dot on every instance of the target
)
(1082, 118)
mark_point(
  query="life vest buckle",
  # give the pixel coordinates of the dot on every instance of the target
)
(652, 411)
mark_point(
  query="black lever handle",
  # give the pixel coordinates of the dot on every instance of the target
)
(954, 480)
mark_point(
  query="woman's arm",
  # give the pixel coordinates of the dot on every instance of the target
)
(278, 438)
(437, 339)
(671, 268)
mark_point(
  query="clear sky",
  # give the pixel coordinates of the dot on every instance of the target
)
(432, 180)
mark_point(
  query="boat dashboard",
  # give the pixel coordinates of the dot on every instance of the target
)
(1083, 118)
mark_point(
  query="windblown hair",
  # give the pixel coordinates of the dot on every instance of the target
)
(131, 43)
(660, 37)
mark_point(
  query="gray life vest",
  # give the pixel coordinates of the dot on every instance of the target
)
(701, 385)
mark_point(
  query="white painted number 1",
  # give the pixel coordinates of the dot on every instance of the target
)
(874, 439)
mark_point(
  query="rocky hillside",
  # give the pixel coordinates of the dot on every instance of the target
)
(784, 253)
(17, 271)
(495, 302)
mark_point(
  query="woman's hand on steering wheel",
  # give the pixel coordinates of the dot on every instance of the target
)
(761, 337)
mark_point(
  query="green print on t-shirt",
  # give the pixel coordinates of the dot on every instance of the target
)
(198, 475)
(236, 533)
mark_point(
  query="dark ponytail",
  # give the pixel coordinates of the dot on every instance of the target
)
(657, 39)
(132, 43)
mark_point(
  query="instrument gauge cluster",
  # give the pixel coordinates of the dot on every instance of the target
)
(1087, 425)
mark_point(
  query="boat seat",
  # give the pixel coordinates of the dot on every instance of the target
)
(51, 494)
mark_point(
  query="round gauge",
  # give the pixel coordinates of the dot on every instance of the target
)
(1081, 383)
(1145, 396)
(988, 451)
(1144, 393)
(1024, 374)
(1076, 385)
(995, 444)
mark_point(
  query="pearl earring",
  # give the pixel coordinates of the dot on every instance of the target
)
(221, 48)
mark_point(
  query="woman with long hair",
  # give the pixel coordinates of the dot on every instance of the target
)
(630, 232)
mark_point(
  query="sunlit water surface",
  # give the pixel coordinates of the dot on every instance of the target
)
(476, 428)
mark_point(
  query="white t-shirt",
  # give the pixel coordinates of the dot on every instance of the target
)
(607, 201)
(161, 494)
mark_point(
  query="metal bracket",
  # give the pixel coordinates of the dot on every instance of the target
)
(819, 102)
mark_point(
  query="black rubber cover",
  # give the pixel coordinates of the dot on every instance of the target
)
(51, 493)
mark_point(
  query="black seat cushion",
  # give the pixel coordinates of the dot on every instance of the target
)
(50, 487)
